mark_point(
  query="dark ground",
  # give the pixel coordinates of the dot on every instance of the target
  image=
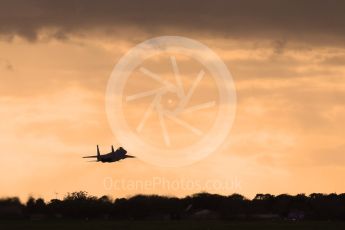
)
(166, 225)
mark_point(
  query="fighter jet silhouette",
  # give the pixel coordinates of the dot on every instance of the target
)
(113, 156)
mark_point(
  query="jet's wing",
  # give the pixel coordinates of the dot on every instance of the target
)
(90, 156)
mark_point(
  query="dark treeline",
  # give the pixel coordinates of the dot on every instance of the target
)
(199, 206)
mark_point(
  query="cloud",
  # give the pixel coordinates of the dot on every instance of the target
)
(279, 46)
(333, 156)
(337, 60)
(6, 64)
(312, 20)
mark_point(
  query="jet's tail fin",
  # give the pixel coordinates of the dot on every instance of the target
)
(112, 149)
(98, 154)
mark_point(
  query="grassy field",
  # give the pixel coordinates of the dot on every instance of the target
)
(167, 225)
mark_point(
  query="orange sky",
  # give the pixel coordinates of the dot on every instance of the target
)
(287, 137)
